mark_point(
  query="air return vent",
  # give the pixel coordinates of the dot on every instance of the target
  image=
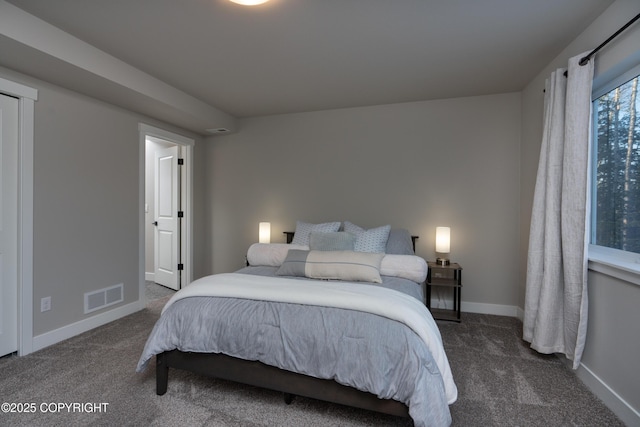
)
(95, 300)
(218, 130)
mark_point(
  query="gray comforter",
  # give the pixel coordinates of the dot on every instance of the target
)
(362, 350)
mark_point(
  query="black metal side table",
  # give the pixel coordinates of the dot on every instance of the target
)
(449, 276)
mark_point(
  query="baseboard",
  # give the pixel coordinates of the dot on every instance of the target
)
(497, 309)
(477, 307)
(69, 331)
(620, 407)
(150, 276)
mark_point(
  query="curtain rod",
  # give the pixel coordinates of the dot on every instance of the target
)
(585, 60)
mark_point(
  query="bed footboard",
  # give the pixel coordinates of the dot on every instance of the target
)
(258, 374)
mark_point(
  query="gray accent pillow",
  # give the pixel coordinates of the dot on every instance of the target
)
(294, 263)
(333, 241)
(400, 242)
(303, 229)
(336, 265)
(372, 240)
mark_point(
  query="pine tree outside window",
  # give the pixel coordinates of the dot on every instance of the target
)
(615, 213)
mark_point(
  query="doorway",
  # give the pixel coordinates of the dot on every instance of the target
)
(166, 208)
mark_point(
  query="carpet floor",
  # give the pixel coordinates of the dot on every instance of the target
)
(501, 382)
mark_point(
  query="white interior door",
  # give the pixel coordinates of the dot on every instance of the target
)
(167, 205)
(8, 224)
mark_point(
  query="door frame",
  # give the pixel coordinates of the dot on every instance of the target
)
(26, 98)
(9, 120)
(186, 239)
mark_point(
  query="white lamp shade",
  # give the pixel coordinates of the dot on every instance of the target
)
(264, 232)
(443, 240)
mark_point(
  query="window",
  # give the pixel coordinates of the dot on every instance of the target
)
(615, 213)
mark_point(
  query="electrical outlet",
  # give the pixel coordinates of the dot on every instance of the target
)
(45, 304)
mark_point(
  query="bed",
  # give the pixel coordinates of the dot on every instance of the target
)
(330, 315)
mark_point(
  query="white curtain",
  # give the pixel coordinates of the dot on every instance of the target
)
(555, 314)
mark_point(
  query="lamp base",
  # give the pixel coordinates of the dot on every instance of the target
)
(442, 261)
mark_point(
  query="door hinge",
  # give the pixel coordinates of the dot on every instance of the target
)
(180, 214)
(180, 162)
(180, 267)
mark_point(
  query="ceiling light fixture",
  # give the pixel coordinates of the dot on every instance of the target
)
(249, 2)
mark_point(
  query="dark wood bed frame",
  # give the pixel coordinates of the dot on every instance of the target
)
(258, 374)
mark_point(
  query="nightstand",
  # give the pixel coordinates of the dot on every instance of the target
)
(446, 276)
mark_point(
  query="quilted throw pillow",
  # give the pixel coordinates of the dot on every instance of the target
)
(372, 240)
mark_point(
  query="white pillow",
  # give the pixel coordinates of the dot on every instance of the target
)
(270, 254)
(409, 267)
(372, 240)
(303, 229)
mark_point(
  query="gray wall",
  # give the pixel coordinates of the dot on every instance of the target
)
(468, 163)
(85, 204)
(86, 201)
(415, 165)
(613, 343)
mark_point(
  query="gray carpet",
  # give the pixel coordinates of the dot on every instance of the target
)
(500, 381)
(154, 291)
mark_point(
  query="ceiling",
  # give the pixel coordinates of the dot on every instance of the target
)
(304, 55)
